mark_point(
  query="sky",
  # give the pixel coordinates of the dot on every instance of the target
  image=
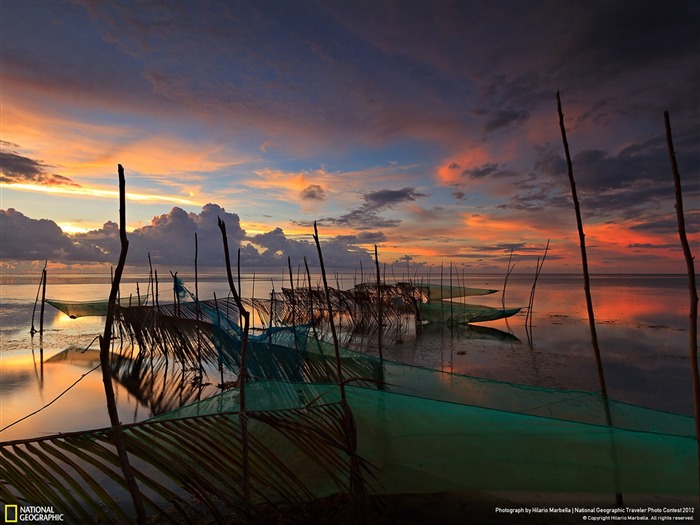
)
(428, 129)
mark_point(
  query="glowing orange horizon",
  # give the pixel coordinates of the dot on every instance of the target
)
(97, 192)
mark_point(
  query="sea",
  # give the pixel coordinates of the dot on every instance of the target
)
(50, 382)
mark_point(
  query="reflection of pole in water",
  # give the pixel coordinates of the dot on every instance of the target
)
(41, 364)
(39, 372)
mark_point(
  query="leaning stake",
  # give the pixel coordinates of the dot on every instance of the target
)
(379, 304)
(242, 372)
(357, 487)
(587, 288)
(692, 287)
(105, 341)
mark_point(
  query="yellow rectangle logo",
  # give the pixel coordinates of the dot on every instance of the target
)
(11, 513)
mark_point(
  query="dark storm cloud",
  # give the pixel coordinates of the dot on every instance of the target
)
(313, 192)
(15, 169)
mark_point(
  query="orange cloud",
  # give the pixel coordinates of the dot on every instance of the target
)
(450, 171)
(87, 151)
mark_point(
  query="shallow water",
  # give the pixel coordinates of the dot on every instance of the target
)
(641, 324)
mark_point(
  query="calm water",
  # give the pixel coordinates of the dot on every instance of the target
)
(641, 321)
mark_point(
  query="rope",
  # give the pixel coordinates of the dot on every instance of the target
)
(59, 395)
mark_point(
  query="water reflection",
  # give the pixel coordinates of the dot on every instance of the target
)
(642, 330)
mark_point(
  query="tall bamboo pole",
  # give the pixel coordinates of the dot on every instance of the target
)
(587, 289)
(198, 310)
(43, 302)
(105, 341)
(357, 487)
(692, 286)
(329, 307)
(379, 303)
(243, 415)
(584, 258)
(509, 270)
(36, 301)
(294, 303)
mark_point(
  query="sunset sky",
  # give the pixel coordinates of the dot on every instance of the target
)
(429, 129)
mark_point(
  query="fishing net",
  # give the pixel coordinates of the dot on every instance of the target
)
(430, 431)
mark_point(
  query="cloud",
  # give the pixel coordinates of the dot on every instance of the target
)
(362, 238)
(491, 170)
(313, 192)
(367, 216)
(24, 238)
(388, 198)
(504, 118)
(17, 169)
(612, 38)
(169, 239)
(668, 223)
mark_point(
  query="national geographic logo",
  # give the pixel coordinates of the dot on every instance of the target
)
(11, 513)
(29, 514)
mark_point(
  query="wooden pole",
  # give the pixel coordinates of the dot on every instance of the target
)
(379, 304)
(242, 414)
(43, 302)
(329, 307)
(294, 302)
(692, 286)
(198, 310)
(105, 341)
(587, 287)
(357, 487)
(584, 258)
(509, 270)
(38, 291)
